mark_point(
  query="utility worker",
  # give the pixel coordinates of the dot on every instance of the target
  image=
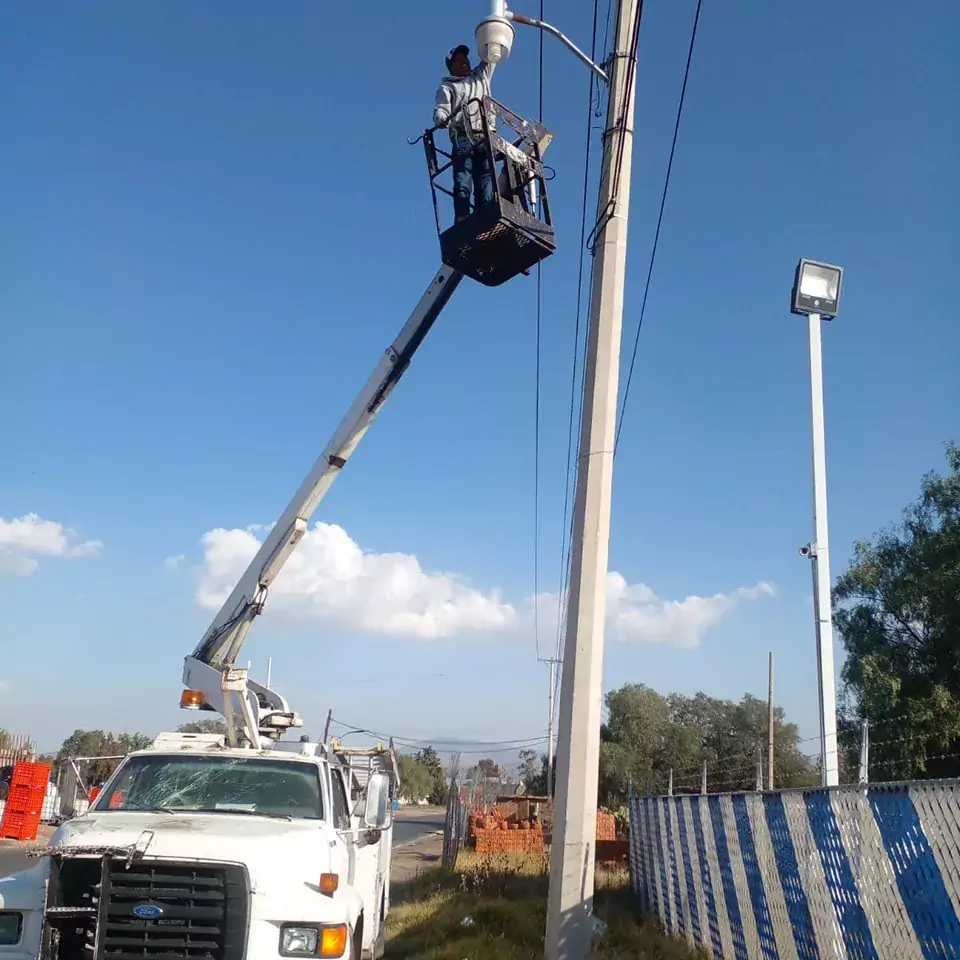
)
(458, 107)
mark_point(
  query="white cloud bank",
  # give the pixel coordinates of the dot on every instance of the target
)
(331, 578)
(24, 539)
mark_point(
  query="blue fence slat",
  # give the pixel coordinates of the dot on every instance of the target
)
(726, 876)
(688, 872)
(679, 922)
(751, 868)
(841, 885)
(705, 878)
(785, 855)
(918, 877)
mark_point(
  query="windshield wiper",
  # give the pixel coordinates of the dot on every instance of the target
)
(251, 813)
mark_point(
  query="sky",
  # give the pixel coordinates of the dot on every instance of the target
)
(213, 227)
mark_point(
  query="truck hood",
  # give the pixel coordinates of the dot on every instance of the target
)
(270, 848)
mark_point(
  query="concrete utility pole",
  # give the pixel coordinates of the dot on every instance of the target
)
(573, 853)
(770, 727)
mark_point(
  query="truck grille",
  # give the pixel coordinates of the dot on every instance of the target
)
(104, 914)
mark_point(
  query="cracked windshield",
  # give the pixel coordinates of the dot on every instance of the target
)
(253, 786)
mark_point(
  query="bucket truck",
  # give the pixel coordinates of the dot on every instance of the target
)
(246, 846)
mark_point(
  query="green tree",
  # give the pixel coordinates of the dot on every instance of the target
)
(97, 743)
(648, 734)
(415, 779)
(430, 760)
(529, 769)
(898, 615)
(487, 769)
(207, 725)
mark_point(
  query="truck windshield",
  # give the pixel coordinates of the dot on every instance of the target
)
(255, 785)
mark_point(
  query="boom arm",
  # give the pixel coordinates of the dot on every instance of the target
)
(210, 669)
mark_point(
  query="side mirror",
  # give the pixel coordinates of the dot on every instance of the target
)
(377, 810)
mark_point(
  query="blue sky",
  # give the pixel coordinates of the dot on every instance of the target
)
(213, 225)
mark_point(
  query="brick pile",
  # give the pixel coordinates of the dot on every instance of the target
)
(606, 826)
(507, 828)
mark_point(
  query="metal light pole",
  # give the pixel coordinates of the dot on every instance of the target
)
(770, 725)
(816, 294)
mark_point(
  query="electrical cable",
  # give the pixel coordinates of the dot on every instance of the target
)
(536, 419)
(450, 744)
(567, 537)
(656, 236)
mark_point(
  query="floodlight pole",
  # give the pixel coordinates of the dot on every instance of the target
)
(820, 557)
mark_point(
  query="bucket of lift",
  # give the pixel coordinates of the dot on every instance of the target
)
(514, 232)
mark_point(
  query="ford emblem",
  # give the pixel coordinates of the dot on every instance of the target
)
(147, 911)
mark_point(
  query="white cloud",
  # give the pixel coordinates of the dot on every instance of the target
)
(331, 578)
(24, 539)
(175, 563)
(636, 614)
(4, 686)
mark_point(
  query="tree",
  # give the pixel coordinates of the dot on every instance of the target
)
(415, 779)
(529, 770)
(898, 615)
(207, 725)
(430, 760)
(96, 743)
(647, 735)
(487, 769)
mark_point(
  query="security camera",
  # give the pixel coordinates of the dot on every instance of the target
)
(808, 550)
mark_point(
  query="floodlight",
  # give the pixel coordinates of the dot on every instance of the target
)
(816, 289)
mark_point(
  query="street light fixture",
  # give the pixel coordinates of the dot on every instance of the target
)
(816, 289)
(816, 295)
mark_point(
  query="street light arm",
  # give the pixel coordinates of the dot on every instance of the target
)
(566, 41)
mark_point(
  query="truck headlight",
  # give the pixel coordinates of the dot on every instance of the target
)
(323, 940)
(299, 941)
(11, 927)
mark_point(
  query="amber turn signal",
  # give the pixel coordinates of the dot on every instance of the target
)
(329, 882)
(333, 941)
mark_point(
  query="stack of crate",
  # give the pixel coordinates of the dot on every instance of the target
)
(21, 813)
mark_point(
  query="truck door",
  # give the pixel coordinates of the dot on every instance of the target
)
(365, 873)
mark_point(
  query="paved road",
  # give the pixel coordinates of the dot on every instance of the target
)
(12, 859)
(410, 825)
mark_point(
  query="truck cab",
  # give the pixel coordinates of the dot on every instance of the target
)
(197, 850)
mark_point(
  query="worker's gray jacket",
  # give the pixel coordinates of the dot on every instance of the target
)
(454, 96)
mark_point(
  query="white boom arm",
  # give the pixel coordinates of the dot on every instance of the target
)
(210, 669)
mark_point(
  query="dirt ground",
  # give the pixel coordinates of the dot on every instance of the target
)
(411, 859)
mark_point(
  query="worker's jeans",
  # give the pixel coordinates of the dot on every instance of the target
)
(472, 173)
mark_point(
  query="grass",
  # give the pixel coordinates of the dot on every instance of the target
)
(506, 899)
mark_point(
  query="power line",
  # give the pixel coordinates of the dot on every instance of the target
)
(567, 533)
(518, 743)
(536, 416)
(656, 236)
